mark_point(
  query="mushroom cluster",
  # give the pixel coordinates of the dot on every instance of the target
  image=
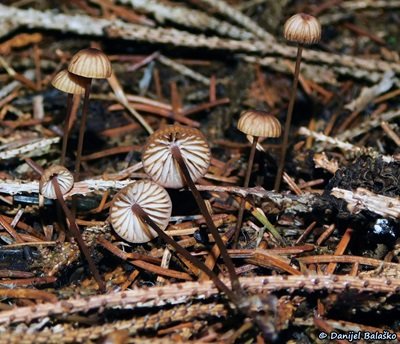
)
(56, 181)
(173, 157)
(86, 64)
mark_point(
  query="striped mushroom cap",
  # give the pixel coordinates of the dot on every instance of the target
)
(159, 163)
(69, 83)
(259, 123)
(302, 28)
(152, 198)
(64, 177)
(90, 63)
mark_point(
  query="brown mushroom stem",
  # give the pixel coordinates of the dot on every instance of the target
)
(77, 235)
(137, 209)
(82, 129)
(288, 121)
(66, 129)
(176, 153)
(246, 184)
(72, 108)
(34, 166)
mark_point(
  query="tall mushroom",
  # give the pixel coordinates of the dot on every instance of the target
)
(302, 29)
(255, 123)
(175, 156)
(141, 211)
(74, 86)
(89, 63)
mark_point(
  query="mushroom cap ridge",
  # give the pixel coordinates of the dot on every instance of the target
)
(64, 177)
(161, 166)
(259, 123)
(302, 28)
(90, 63)
(152, 198)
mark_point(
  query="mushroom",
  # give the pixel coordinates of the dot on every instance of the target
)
(54, 183)
(303, 29)
(141, 211)
(176, 155)
(152, 198)
(73, 85)
(91, 64)
(64, 178)
(159, 162)
(255, 123)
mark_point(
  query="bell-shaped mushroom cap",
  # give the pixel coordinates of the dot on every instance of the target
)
(64, 177)
(259, 123)
(152, 198)
(90, 63)
(69, 83)
(161, 166)
(302, 28)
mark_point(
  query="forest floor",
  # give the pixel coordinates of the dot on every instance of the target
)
(317, 257)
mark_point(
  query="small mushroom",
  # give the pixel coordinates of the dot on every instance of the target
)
(303, 29)
(64, 178)
(74, 86)
(178, 155)
(89, 63)
(55, 182)
(69, 83)
(152, 198)
(255, 123)
(258, 123)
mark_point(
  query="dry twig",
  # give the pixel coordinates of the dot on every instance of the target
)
(183, 292)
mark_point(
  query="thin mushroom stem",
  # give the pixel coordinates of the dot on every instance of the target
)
(34, 166)
(288, 121)
(39, 170)
(176, 153)
(72, 108)
(77, 235)
(246, 185)
(82, 129)
(137, 209)
(66, 129)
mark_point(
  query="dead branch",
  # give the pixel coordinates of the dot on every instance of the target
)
(363, 199)
(132, 326)
(225, 9)
(318, 74)
(85, 25)
(183, 292)
(36, 147)
(366, 4)
(368, 124)
(187, 17)
(301, 203)
(344, 145)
